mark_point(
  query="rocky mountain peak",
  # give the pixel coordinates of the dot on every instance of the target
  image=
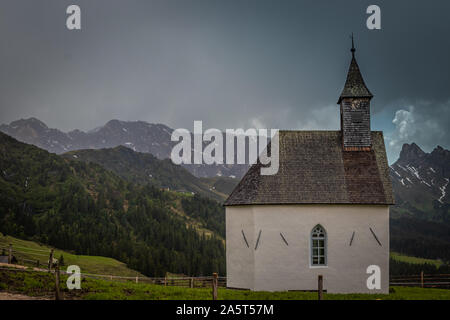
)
(419, 177)
(31, 123)
(411, 152)
(440, 151)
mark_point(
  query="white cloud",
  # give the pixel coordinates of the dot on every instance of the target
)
(425, 123)
(404, 126)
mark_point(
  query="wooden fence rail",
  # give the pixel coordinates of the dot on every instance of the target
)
(421, 280)
(213, 281)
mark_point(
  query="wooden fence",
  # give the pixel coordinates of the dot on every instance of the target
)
(422, 280)
(419, 280)
(214, 282)
(187, 282)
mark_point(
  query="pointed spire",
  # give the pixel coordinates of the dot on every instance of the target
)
(354, 85)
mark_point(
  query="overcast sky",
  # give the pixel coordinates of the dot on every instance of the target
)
(231, 63)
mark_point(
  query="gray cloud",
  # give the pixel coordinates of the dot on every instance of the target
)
(230, 63)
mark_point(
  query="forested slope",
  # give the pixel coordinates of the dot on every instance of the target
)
(85, 208)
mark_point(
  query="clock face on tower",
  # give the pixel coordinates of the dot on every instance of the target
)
(356, 103)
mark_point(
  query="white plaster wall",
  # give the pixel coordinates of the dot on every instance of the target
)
(240, 258)
(274, 266)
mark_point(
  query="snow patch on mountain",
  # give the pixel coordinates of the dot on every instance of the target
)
(443, 188)
(414, 171)
(426, 183)
(131, 145)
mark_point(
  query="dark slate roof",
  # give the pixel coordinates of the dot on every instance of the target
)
(354, 85)
(314, 169)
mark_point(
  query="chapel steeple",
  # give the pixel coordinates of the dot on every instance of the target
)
(355, 109)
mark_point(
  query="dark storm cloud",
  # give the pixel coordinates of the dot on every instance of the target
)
(230, 63)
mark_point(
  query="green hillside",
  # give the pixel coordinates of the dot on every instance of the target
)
(144, 168)
(420, 238)
(28, 251)
(224, 185)
(88, 210)
(415, 260)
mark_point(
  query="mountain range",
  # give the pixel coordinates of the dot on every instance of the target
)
(420, 182)
(420, 219)
(139, 136)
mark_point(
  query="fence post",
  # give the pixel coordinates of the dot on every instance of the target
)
(10, 254)
(137, 279)
(165, 280)
(50, 260)
(192, 283)
(37, 263)
(57, 293)
(421, 279)
(214, 286)
(320, 287)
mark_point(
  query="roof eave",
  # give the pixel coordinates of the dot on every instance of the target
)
(310, 203)
(370, 96)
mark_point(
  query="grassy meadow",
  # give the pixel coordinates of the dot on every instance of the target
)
(415, 260)
(41, 284)
(88, 264)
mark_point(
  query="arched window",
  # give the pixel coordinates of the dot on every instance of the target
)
(318, 246)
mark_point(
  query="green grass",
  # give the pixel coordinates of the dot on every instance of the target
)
(414, 260)
(88, 264)
(42, 284)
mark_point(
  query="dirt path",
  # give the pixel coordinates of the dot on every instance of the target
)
(11, 296)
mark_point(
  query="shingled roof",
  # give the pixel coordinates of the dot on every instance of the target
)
(354, 85)
(314, 169)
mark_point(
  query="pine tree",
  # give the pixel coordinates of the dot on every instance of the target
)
(61, 260)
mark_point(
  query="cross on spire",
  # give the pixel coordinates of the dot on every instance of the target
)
(353, 46)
